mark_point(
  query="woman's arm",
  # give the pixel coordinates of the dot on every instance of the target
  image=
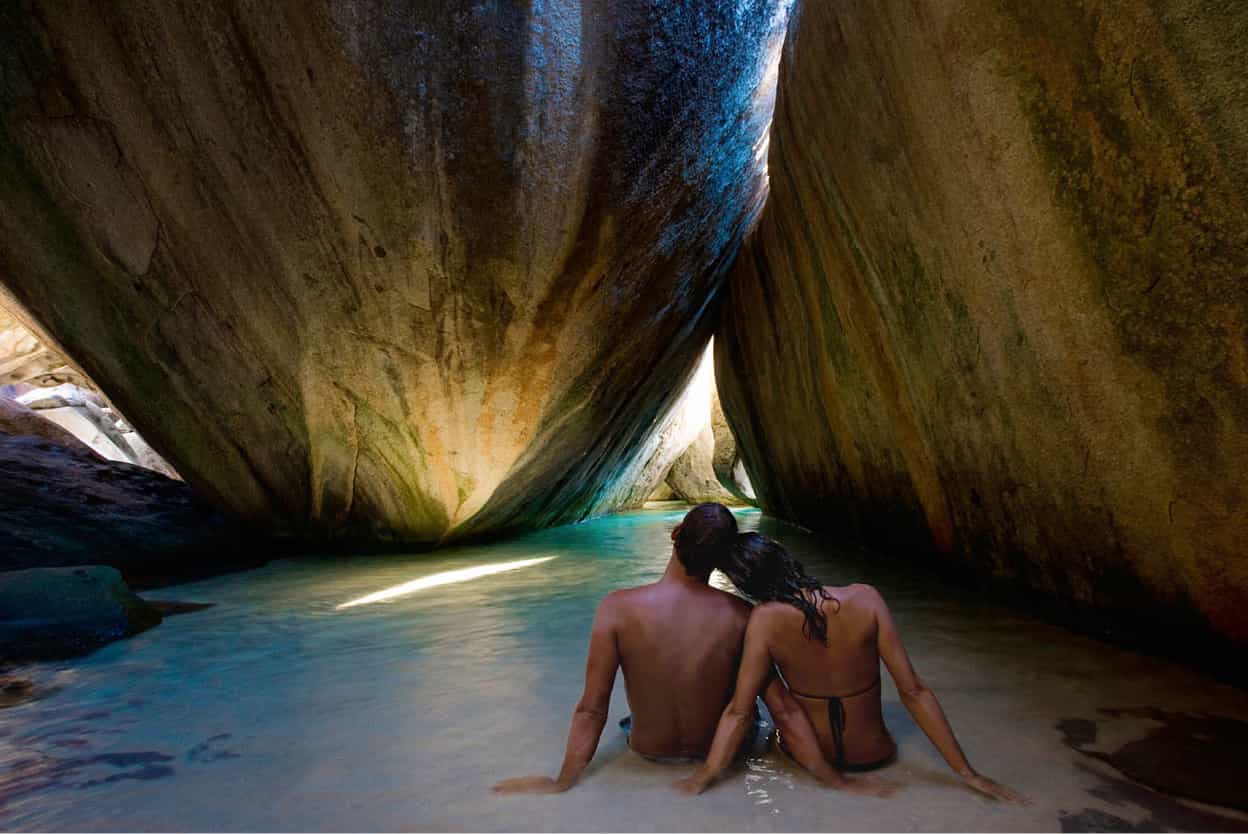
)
(922, 704)
(590, 715)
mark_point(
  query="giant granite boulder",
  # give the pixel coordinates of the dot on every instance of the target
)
(997, 307)
(399, 270)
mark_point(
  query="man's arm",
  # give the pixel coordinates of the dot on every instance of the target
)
(590, 715)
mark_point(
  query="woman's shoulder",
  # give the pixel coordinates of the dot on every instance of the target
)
(859, 593)
(770, 612)
(770, 609)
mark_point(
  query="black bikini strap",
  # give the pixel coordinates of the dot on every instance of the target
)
(836, 717)
(862, 691)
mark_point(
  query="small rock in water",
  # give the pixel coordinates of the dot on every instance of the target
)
(62, 612)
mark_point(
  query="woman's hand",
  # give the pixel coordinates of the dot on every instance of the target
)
(694, 783)
(996, 790)
(529, 784)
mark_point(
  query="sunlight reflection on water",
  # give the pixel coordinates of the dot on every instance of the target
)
(449, 577)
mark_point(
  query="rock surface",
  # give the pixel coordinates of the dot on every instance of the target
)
(996, 307)
(18, 419)
(40, 378)
(24, 356)
(64, 505)
(391, 270)
(692, 476)
(88, 417)
(726, 461)
(687, 472)
(61, 612)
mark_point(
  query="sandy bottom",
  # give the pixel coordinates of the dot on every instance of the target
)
(276, 709)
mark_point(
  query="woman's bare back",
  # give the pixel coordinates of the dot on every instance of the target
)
(837, 684)
(830, 658)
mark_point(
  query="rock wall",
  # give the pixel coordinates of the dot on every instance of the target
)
(726, 460)
(391, 270)
(26, 358)
(670, 443)
(35, 375)
(708, 467)
(18, 419)
(692, 477)
(996, 307)
(689, 472)
(61, 504)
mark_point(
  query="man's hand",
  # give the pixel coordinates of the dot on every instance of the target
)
(529, 784)
(693, 784)
(996, 790)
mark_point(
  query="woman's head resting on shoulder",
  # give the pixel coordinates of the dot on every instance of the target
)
(764, 571)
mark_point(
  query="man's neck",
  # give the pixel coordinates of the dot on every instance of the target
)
(677, 574)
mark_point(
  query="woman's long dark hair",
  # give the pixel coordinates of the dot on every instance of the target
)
(765, 572)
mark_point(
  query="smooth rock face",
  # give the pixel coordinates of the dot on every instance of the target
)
(996, 307)
(62, 612)
(64, 505)
(395, 270)
(692, 476)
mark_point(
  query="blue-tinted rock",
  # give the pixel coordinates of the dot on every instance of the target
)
(62, 612)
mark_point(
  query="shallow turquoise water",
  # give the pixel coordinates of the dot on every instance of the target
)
(276, 710)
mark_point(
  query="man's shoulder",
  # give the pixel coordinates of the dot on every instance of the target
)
(733, 601)
(625, 597)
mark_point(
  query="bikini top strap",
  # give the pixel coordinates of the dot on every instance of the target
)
(865, 689)
(862, 691)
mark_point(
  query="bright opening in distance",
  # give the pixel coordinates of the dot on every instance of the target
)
(449, 577)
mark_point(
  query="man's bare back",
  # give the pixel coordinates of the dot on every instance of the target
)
(679, 642)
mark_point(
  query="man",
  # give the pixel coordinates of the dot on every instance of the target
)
(679, 643)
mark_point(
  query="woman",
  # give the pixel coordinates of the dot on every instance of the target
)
(827, 643)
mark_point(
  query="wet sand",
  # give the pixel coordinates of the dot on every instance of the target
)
(276, 710)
